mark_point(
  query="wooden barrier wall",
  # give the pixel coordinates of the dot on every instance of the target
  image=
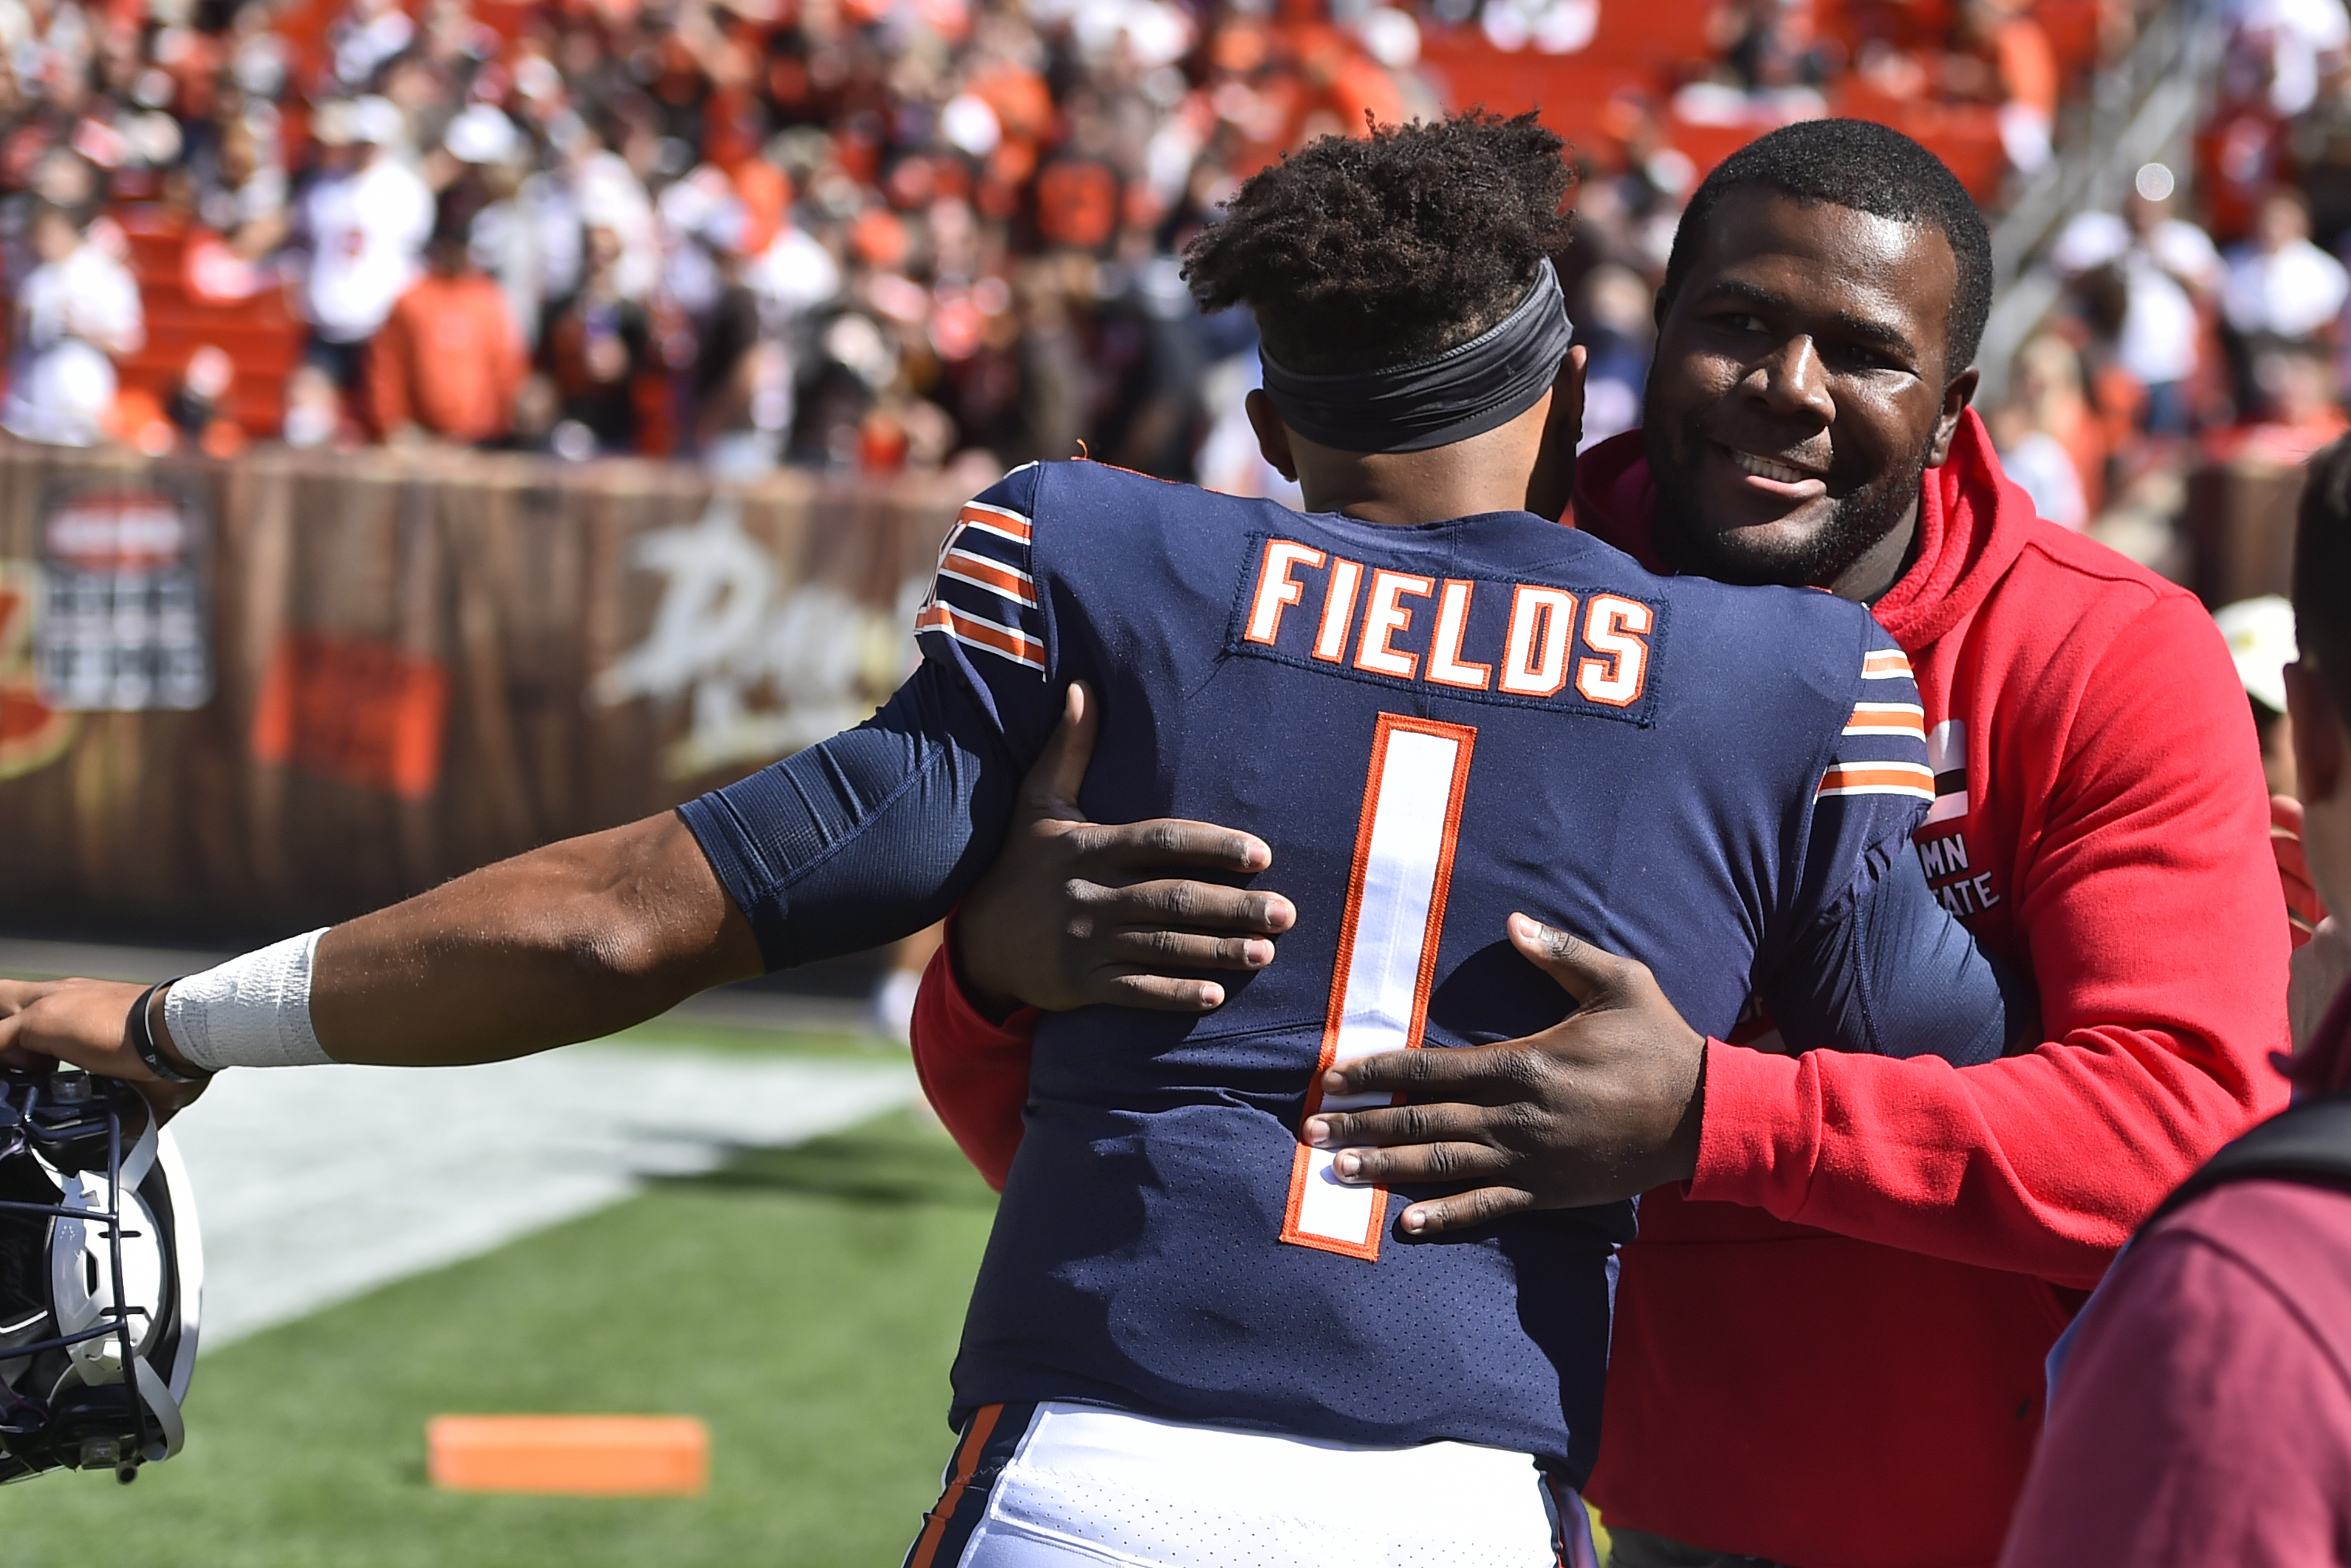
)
(278, 691)
(2239, 525)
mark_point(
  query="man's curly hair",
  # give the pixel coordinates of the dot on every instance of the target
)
(1359, 252)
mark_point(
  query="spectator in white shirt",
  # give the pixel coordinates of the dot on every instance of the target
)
(2280, 291)
(366, 225)
(2295, 45)
(76, 312)
(2280, 284)
(2164, 265)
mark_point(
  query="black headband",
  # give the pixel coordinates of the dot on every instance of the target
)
(1466, 391)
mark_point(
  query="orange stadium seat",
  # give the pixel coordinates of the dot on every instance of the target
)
(1570, 91)
(262, 339)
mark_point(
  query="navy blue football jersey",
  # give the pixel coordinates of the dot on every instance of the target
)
(1432, 726)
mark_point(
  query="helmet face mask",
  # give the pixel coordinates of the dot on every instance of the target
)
(101, 1279)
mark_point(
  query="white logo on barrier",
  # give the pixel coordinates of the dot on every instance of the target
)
(767, 669)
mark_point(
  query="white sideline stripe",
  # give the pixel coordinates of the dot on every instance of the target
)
(1384, 970)
(318, 1184)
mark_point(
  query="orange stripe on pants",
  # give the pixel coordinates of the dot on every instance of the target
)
(966, 1460)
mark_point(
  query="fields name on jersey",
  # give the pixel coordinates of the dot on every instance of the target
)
(1526, 641)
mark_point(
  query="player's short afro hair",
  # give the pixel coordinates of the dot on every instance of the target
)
(1871, 169)
(1356, 252)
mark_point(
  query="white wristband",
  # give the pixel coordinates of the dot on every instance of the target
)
(252, 1012)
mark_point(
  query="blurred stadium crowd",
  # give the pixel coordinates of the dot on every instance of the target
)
(2203, 324)
(885, 234)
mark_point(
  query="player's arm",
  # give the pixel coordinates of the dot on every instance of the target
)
(562, 943)
(1873, 961)
(857, 841)
(850, 843)
(1891, 972)
(565, 943)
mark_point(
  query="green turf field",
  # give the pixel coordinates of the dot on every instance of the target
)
(805, 1302)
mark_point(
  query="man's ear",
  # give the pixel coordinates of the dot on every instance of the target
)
(2318, 739)
(1552, 485)
(1272, 436)
(1957, 395)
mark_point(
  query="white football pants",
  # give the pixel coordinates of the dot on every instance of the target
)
(1086, 1487)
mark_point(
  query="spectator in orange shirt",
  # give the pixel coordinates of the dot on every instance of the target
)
(2014, 65)
(448, 362)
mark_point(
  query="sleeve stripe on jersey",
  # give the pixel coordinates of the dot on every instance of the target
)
(972, 631)
(1888, 718)
(1885, 664)
(995, 520)
(1878, 779)
(993, 575)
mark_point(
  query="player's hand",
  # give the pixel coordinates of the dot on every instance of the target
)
(1074, 912)
(1602, 1106)
(87, 1023)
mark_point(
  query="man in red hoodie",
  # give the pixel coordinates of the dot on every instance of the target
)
(1830, 1336)
(2200, 1409)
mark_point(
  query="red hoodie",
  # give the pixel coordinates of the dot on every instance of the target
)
(1828, 1347)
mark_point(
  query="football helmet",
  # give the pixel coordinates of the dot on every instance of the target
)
(101, 1277)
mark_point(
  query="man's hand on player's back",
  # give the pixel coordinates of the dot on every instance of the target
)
(1076, 913)
(1604, 1105)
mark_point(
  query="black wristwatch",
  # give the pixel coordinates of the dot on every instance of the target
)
(142, 1040)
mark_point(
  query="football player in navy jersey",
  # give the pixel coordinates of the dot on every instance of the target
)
(1188, 1342)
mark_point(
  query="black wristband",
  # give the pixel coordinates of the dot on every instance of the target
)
(142, 1040)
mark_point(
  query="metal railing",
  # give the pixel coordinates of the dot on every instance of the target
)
(2139, 111)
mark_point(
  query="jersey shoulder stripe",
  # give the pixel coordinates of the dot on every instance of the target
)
(965, 565)
(1877, 778)
(1001, 522)
(988, 636)
(1882, 749)
(1888, 718)
(984, 594)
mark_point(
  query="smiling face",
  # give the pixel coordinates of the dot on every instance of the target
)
(1800, 391)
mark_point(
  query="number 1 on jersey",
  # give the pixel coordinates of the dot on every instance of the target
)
(1387, 955)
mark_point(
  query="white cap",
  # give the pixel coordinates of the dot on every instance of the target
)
(481, 135)
(378, 120)
(2089, 240)
(2259, 635)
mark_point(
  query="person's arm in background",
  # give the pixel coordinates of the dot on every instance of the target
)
(973, 1069)
(1878, 965)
